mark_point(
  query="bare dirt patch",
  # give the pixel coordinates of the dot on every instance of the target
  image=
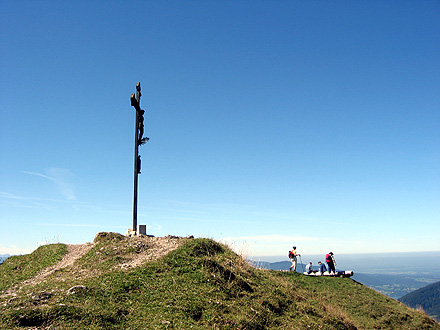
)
(147, 248)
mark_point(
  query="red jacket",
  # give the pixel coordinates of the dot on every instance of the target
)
(328, 258)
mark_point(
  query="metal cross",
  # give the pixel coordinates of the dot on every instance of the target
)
(138, 140)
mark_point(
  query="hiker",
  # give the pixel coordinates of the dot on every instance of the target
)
(292, 256)
(330, 260)
(309, 268)
(322, 267)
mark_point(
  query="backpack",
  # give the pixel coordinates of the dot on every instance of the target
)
(291, 255)
(328, 258)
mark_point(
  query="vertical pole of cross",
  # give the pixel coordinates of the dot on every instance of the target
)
(138, 140)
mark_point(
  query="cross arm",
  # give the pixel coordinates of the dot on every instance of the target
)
(135, 102)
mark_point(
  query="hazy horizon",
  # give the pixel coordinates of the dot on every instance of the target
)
(346, 256)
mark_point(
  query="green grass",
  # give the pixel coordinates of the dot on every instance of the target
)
(19, 268)
(202, 285)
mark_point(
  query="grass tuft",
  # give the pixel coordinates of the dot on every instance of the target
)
(108, 237)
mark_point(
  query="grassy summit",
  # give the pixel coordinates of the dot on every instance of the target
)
(181, 283)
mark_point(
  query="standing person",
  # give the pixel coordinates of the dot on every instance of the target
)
(330, 260)
(292, 255)
(322, 267)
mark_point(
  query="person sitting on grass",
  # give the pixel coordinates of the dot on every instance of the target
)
(322, 267)
(309, 268)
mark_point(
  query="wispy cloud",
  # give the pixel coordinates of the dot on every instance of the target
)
(8, 195)
(8, 199)
(14, 250)
(274, 238)
(150, 228)
(270, 244)
(46, 224)
(61, 177)
(279, 244)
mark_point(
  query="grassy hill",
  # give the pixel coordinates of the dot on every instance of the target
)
(427, 298)
(181, 283)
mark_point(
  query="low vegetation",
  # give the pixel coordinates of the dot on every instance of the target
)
(199, 285)
(426, 298)
(19, 268)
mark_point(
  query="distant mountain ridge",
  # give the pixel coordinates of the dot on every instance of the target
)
(427, 297)
(3, 257)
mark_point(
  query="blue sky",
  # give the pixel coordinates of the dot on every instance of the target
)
(271, 123)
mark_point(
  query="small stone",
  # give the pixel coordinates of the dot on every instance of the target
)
(38, 297)
(76, 289)
(12, 299)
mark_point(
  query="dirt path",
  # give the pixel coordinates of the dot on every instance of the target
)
(132, 252)
(136, 251)
(74, 252)
(148, 248)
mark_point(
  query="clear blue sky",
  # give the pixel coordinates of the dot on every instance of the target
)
(271, 123)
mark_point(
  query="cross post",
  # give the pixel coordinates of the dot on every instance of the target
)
(138, 140)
